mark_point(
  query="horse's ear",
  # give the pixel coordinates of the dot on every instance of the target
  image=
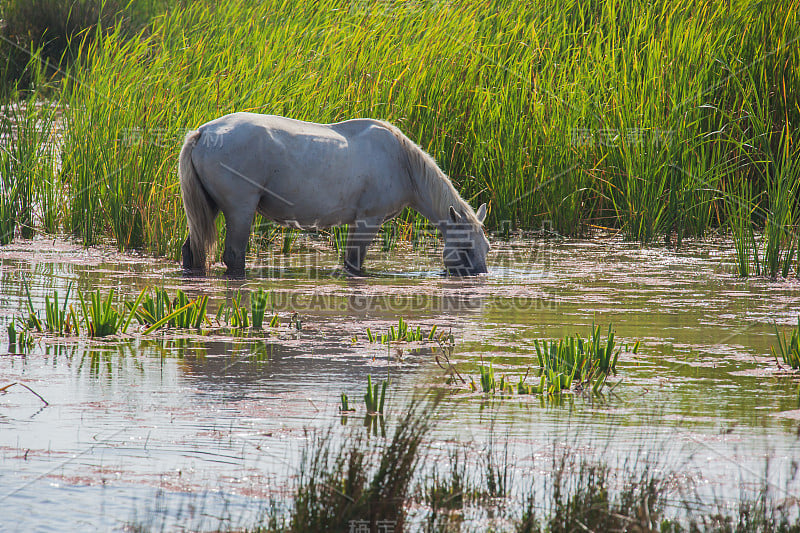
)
(455, 217)
(481, 213)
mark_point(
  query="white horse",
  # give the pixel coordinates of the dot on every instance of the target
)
(299, 174)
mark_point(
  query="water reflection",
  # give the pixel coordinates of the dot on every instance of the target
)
(208, 403)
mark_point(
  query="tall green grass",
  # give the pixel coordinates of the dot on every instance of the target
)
(635, 115)
(29, 188)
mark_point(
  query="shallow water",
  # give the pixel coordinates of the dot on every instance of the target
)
(200, 430)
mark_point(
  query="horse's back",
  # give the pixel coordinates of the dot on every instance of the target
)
(278, 126)
(302, 170)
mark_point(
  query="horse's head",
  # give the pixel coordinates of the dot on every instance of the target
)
(465, 244)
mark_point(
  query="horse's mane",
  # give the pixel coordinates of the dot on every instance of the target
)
(428, 177)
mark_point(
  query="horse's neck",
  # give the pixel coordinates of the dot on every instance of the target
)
(434, 196)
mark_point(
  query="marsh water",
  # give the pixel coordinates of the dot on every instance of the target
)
(203, 429)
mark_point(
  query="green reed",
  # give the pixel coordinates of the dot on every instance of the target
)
(56, 316)
(100, 316)
(258, 306)
(636, 116)
(18, 340)
(338, 237)
(374, 399)
(488, 383)
(589, 361)
(564, 364)
(31, 320)
(788, 350)
(154, 307)
(29, 195)
(158, 309)
(345, 405)
(236, 313)
(403, 332)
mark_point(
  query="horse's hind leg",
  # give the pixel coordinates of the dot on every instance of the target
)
(237, 233)
(359, 237)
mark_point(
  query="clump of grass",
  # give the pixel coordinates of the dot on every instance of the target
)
(357, 482)
(788, 350)
(373, 400)
(524, 388)
(184, 313)
(560, 361)
(487, 378)
(338, 237)
(403, 333)
(56, 316)
(581, 494)
(235, 313)
(158, 309)
(740, 222)
(258, 306)
(194, 311)
(591, 361)
(488, 382)
(237, 316)
(102, 318)
(18, 340)
(289, 236)
(32, 320)
(100, 315)
(345, 405)
(446, 494)
(154, 307)
(568, 363)
(27, 166)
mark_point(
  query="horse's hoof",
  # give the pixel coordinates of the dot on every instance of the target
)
(234, 273)
(354, 272)
(193, 272)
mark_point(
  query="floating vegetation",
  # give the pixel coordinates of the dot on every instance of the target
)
(789, 350)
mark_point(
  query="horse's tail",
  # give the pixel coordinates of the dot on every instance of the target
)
(200, 210)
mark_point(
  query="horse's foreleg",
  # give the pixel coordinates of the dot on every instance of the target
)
(237, 233)
(359, 237)
(186, 255)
